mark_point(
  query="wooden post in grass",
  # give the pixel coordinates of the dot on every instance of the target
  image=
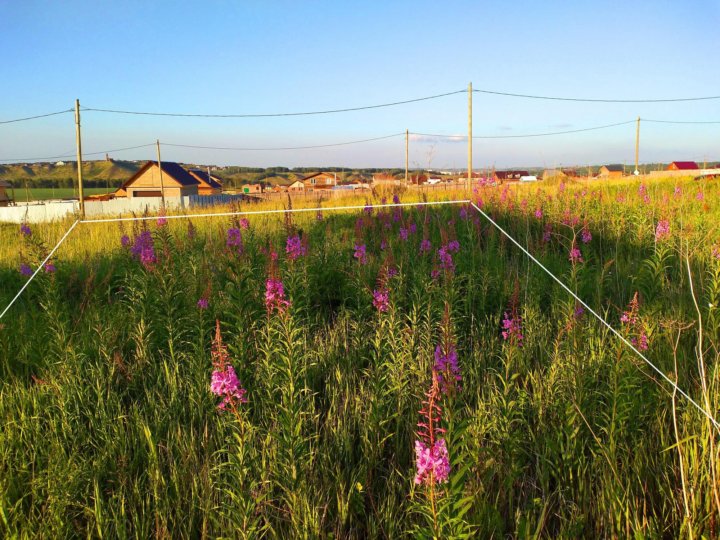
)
(162, 185)
(407, 138)
(469, 174)
(78, 142)
(637, 146)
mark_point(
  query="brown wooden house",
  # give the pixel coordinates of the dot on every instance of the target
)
(148, 182)
(683, 166)
(209, 185)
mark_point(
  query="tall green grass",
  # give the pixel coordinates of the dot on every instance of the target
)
(110, 429)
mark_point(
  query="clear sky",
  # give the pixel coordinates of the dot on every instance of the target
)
(264, 57)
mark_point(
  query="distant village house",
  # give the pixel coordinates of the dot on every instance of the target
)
(208, 184)
(683, 166)
(509, 176)
(5, 198)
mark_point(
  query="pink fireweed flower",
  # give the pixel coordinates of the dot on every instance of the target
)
(716, 252)
(203, 303)
(161, 220)
(453, 246)
(586, 236)
(360, 253)
(575, 255)
(446, 260)
(539, 213)
(396, 199)
(383, 244)
(125, 240)
(432, 463)
(49, 268)
(143, 248)
(447, 369)
(25, 229)
(412, 228)
(275, 296)
(700, 196)
(381, 299)
(463, 213)
(397, 215)
(403, 234)
(244, 224)
(662, 231)
(295, 248)
(512, 329)
(678, 191)
(225, 384)
(25, 270)
(425, 245)
(368, 209)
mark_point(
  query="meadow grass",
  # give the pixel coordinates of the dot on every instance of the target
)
(555, 429)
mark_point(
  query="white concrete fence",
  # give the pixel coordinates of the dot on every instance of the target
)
(55, 210)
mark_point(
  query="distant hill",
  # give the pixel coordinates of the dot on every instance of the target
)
(95, 173)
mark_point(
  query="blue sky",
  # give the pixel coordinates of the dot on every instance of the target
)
(261, 57)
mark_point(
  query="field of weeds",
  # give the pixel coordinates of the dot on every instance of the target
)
(379, 373)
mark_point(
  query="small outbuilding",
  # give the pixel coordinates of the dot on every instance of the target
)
(209, 185)
(612, 171)
(170, 180)
(321, 180)
(509, 176)
(5, 198)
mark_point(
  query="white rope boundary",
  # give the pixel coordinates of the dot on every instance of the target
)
(393, 205)
(603, 321)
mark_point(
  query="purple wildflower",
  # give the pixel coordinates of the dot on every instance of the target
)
(25, 270)
(446, 260)
(453, 246)
(368, 209)
(294, 248)
(125, 240)
(203, 303)
(275, 296)
(539, 213)
(49, 268)
(25, 229)
(463, 213)
(700, 196)
(446, 366)
(392, 272)
(716, 252)
(403, 234)
(234, 239)
(360, 253)
(161, 220)
(425, 245)
(381, 299)
(383, 244)
(144, 249)
(412, 228)
(244, 224)
(547, 234)
(396, 199)
(586, 236)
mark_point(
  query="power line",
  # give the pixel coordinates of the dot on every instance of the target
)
(285, 147)
(525, 135)
(593, 100)
(681, 121)
(266, 115)
(70, 154)
(34, 117)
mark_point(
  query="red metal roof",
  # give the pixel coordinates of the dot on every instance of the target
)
(685, 165)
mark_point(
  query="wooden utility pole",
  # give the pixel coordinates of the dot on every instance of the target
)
(637, 146)
(162, 185)
(78, 142)
(407, 154)
(469, 176)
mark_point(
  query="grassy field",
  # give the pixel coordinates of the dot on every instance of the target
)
(400, 373)
(43, 194)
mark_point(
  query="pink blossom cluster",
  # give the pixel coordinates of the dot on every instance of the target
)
(275, 296)
(381, 299)
(360, 253)
(575, 254)
(432, 463)
(512, 329)
(447, 368)
(144, 249)
(662, 231)
(225, 384)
